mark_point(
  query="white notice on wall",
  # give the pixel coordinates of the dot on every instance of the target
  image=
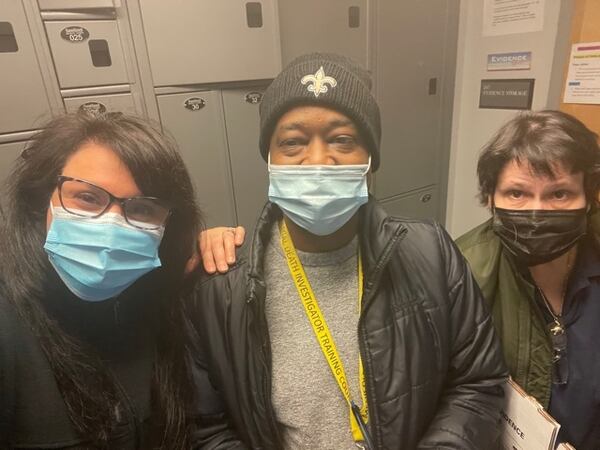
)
(512, 16)
(583, 79)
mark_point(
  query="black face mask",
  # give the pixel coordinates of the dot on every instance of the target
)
(537, 236)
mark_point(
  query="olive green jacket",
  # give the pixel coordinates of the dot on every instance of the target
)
(518, 319)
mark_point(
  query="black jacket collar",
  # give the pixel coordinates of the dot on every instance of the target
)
(378, 235)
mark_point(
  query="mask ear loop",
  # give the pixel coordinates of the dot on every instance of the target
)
(368, 167)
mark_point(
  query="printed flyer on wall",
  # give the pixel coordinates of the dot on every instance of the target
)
(583, 78)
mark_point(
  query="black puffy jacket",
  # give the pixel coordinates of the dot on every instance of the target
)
(433, 363)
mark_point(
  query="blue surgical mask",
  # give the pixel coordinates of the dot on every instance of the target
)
(319, 198)
(99, 258)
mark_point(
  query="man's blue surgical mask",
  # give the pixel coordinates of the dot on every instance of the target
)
(319, 198)
(98, 258)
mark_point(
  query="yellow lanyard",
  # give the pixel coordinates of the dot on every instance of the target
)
(319, 325)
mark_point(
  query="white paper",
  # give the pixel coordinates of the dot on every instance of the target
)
(512, 16)
(524, 423)
(583, 78)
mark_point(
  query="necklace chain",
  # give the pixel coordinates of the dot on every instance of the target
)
(558, 327)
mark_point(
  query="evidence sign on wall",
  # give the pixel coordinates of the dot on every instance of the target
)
(506, 93)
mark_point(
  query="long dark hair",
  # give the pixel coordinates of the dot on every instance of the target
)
(541, 138)
(90, 394)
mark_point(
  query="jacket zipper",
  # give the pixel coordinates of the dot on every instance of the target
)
(370, 289)
(133, 417)
(265, 348)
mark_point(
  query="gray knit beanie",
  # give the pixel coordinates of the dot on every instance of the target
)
(323, 79)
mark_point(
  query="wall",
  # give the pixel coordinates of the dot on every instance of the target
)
(472, 126)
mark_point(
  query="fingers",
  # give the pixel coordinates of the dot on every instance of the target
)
(229, 243)
(208, 260)
(217, 247)
(240, 235)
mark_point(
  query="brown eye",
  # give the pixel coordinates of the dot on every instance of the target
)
(560, 195)
(345, 140)
(516, 194)
(291, 142)
(89, 198)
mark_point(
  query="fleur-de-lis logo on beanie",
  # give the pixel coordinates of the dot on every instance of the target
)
(317, 83)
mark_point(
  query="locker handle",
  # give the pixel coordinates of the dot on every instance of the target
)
(8, 42)
(354, 17)
(432, 86)
(425, 198)
(100, 53)
(254, 17)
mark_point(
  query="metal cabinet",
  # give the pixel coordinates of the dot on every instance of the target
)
(195, 119)
(338, 26)
(25, 104)
(411, 68)
(87, 53)
(248, 169)
(418, 205)
(8, 154)
(102, 103)
(207, 41)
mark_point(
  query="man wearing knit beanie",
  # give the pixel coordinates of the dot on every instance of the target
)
(344, 326)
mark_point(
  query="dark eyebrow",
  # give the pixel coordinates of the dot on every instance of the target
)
(292, 126)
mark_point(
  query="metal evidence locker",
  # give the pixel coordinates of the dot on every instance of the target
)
(248, 169)
(25, 104)
(9, 152)
(195, 119)
(87, 53)
(338, 26)
(415, 64)
(208, 41)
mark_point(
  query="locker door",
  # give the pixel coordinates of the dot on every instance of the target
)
(8, 154)
(101, 103)
(423, 204)
(24, 101)
(195, 119)
(87, 53)
(207, 41)
(338, 26)
(411, 38)
(248, 169)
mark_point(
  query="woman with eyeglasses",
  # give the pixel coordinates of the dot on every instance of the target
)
(537, 261)
(99, 224)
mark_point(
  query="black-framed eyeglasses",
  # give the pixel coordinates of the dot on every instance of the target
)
(84, 199)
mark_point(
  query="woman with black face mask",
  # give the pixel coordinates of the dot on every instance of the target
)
(537, 262)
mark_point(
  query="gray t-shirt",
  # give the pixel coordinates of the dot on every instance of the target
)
(310, 408)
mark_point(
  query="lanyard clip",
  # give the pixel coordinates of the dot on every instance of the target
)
(367, 443)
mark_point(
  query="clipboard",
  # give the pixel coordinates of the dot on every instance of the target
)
(524, 424)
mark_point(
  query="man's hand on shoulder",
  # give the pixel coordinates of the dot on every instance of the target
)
(216, 249)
